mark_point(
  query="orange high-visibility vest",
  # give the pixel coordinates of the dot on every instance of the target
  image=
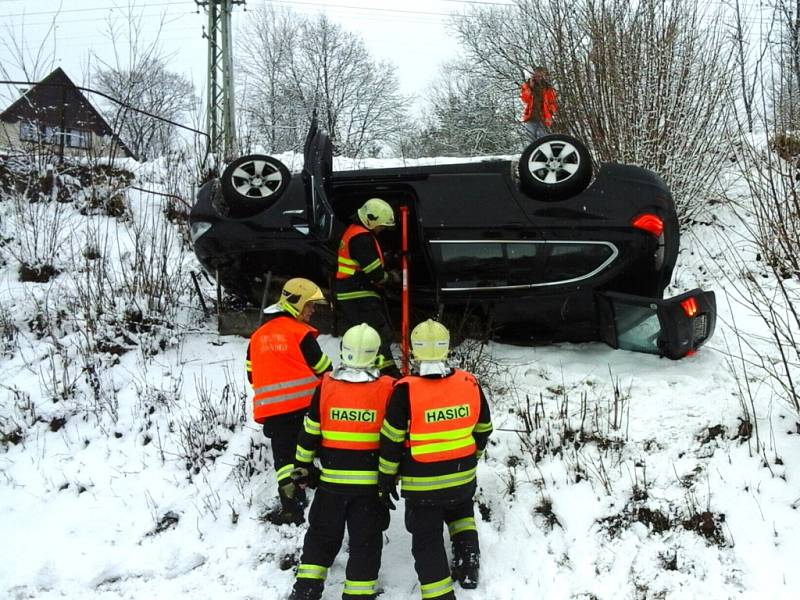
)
(444, 413)
(545, 111)
(351, 414)
(347, 267)
(282, 380)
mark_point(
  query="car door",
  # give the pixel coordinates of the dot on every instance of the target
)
(317, 176)
(478, 239)
(672, 327)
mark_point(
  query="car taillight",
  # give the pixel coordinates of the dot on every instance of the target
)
(689, 307)
(650, 223)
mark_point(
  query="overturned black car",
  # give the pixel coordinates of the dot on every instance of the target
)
(533, 246)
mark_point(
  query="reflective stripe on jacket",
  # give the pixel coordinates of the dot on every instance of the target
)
(444, 413)
(351, 414)
(347, 267)
(282, 380)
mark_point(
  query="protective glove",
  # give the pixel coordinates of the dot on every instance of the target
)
(394, 277)
(305, 476)
(387, 489)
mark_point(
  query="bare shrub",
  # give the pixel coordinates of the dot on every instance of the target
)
(204, 431)
(20, 415)
(247, 465)
(588, 436)
(40, 232)
(647, 83)
(8, 332)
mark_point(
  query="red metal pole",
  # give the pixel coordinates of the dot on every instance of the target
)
(404, 326)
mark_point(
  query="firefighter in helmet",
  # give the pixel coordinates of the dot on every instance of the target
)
(436, 427)
(284, 366)
(342, 428)
(361, 276)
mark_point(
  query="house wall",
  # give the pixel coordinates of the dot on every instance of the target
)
(100, 145)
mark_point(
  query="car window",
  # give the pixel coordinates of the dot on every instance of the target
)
(566, 261)
(465, 265)
(638, 327)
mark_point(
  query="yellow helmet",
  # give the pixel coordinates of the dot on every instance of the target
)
(296, 293)
(360, 345)
(430, 341)
(376, 212)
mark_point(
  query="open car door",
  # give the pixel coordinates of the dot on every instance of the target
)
(317, 174)
(673, 327)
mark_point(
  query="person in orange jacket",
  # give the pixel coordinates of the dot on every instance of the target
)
(342, 429)
(436, 427)
(540, 104)
(285, 366)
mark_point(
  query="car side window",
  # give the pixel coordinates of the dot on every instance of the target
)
(507, 264)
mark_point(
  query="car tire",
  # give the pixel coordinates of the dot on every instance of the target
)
(253, 182)
(555, 167)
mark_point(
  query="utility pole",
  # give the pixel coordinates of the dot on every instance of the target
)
(220, 107)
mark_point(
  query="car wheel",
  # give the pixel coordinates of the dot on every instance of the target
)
(253, 182)
(555, 167)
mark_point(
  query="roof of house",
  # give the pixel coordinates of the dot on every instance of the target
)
(56, 101)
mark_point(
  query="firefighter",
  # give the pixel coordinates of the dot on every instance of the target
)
(436, 427)
(344, 419)
(284, 366)
(361, 275)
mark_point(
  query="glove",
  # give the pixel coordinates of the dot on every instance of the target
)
(394, 277)
(305, 476)
(387, 489)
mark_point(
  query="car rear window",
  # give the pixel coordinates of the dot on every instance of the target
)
(466, 264)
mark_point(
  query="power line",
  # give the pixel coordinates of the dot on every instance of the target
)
(102, 8)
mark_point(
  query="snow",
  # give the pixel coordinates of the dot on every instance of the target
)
(105, 507)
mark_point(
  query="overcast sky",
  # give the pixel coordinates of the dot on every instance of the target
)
(410, 33)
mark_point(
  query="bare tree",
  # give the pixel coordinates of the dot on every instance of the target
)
(468, 115)
(138, 76)
(316, 65)
(271, 111)
(786, 92)
(647, 83)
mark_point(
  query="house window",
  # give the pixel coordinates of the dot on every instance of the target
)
(28, 132)
(52, 135)
(79, 138)
(73, 138)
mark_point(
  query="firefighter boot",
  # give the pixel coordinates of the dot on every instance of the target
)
(466, 568)
(307, 589)
(290, 509)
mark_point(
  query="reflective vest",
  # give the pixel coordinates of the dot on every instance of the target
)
(444, 413)
(347, 266)
(351, 414)
(282, 380)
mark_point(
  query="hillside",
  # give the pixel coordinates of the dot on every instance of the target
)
(129, 466)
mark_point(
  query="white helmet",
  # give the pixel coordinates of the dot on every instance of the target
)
(430, 341)
(360, 345)
(376, 212)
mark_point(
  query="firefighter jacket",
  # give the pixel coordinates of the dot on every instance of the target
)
(343, 425)
(435, 429)
(360, 265)
(284, 364)
(539, 102)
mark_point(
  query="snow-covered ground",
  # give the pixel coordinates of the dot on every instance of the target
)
(129, 467)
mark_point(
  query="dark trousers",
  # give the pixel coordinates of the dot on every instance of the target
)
(365, 518)
(424, 523)
(282, 430)
(371, 311)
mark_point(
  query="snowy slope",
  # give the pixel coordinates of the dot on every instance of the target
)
(628, 480)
